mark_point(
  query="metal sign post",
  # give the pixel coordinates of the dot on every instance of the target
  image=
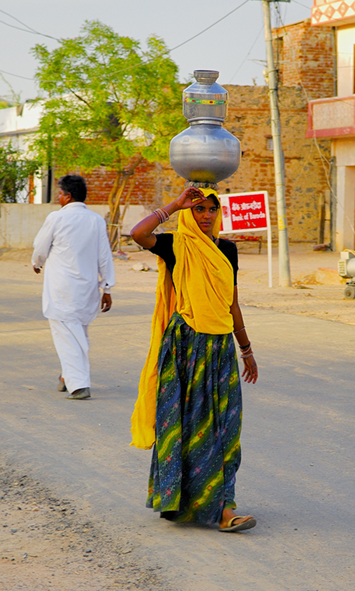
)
(247, 212)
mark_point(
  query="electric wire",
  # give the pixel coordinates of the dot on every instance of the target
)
(210, 26)
(300, 4)
(27, 30)
(33, 31)
(190, 38)
(17, 75)
(18, 20)
(247, 55)
(136, 65)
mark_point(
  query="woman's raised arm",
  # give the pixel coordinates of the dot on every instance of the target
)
(142, 233)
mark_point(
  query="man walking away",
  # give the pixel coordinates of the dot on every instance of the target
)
(73, 242)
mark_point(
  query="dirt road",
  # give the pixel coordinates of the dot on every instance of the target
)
(81, 489)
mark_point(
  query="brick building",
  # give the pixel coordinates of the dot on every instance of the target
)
(334, 118)
(305, 57)
(305, 61)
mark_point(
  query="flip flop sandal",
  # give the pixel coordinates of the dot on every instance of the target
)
(80, 394)
(247, 524)
(61, 385)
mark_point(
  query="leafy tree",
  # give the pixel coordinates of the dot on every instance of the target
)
(12, 99)
(15, 170)
(109, 104)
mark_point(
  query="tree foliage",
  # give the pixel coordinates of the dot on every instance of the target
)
(109, 104)
(15, 170)
(12, 99)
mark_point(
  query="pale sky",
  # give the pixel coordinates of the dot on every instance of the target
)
(235, 46)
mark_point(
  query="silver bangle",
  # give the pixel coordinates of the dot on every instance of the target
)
(158, 216)
(162, 215)
(240, 330)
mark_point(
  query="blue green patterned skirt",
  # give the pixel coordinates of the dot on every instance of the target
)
(199, 414)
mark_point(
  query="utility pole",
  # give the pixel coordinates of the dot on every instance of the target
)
(284, 260)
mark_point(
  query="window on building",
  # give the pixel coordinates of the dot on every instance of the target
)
(269, 143)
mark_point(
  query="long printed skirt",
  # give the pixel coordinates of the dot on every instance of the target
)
(199, 412)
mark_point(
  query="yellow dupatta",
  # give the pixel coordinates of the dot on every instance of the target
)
(203, 280)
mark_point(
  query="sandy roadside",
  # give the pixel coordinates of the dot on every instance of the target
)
(317, 290)
(46, 543)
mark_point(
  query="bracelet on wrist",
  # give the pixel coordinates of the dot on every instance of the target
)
(240, 330)
(244, 347)
(162, 215)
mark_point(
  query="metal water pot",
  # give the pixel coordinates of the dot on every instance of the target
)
(205, 152)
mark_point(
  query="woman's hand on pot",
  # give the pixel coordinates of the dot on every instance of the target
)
(250, 373)
(189, 198)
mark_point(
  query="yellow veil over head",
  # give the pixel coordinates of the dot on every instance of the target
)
(201, 290)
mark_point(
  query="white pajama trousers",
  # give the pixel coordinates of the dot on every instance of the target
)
(72, 344)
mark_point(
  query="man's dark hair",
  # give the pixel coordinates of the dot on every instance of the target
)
(75, 185)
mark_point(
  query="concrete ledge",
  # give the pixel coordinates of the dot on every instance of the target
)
(20, 222)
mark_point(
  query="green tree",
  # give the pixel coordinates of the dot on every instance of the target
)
(109, 104)
(12, 99)
(15, 170)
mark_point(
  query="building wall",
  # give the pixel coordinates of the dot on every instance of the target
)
(333, 12)
(305, 56)
(305, 177)
(145, 185)
(20, 222)
(343, 150)
(339, 124)
(345, 60)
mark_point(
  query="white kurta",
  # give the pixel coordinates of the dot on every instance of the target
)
(73, 242)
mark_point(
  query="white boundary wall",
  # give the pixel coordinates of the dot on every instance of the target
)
(20, 222)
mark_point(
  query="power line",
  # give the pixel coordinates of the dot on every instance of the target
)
(131, 67)
(16, 19)
(247, 55)
(34, 32)
(300, 4)
(210, 27)
(27, 30)
(16, 75)
(190, 39)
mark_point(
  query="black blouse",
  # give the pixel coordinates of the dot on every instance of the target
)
(164, 248)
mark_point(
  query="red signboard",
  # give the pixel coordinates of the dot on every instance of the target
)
(247, 212)
(244, 212)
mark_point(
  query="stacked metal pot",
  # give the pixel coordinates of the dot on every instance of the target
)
(205, 153)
